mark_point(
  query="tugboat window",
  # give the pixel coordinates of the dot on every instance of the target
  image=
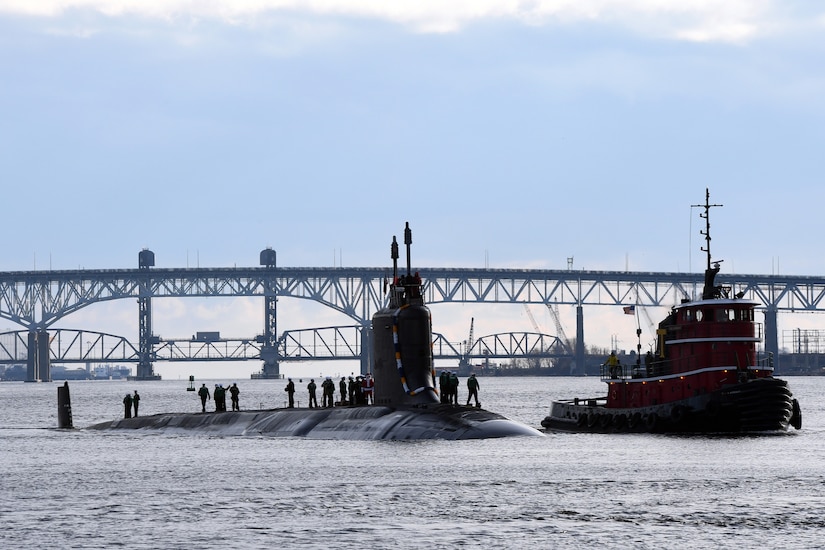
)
(698, 314)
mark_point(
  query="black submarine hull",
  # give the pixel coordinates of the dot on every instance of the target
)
(449, 422)
(406, 401)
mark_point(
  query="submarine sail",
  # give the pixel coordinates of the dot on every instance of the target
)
(402, 336)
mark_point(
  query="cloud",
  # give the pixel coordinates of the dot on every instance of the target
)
(698, 21)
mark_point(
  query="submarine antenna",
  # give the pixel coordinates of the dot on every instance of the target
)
(394, 256)
(408, 242)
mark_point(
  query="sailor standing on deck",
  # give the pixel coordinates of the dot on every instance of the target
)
(127, 406)
(368, 385)
(204, 395)
(472, 387)
(328, 387)
(342, 385)
(312, 397)
(216, 395)
(135, 401)
(613, 364)
(290, 390)
(453, 388)
(444, 385)
(233, 395)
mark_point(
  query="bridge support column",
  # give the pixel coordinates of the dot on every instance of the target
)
(366, 349)
(269, 341)
(146, 352)
(269, 349)
(38, 364)
(771, 334)
(579, 367)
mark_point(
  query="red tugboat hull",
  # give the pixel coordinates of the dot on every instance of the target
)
(756, 406)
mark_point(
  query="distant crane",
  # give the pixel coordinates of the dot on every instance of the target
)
(536, 326)
(468, 344)
(565, 342)
(464, 362)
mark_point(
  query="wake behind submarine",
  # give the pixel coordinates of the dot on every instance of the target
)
(406, 402)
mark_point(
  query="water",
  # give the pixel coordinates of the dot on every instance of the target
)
(87, 489)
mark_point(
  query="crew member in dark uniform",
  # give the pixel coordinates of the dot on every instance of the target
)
(444, 385)
(328, 387)
(342, 385)
(233, 395)
(204, 394)
(135, 401)
(312, 397)
(351, 390)
(472, 387)
(127, 406)
(290, 390)
(223, 397)
(453, 388)
(219, 395)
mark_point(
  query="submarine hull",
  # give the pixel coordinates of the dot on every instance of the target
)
(449, 422)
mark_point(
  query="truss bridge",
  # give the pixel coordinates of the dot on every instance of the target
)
(37, 300)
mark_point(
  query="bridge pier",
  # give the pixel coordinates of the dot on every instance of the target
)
(771, 334)
(271, 368)
(146, 341)
(366, 349)
(38, 363)
(578, 366)
(269, 339)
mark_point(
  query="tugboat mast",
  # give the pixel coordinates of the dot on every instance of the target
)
(706, 214)
(710, 290)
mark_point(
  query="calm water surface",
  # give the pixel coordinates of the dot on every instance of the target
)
(87, 489)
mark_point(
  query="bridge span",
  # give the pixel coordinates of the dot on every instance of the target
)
(36, 300)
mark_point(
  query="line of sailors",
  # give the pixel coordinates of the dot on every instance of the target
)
(219, 394)
(356, 390)
(448, 387)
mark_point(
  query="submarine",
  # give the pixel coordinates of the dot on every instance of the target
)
(406, 404)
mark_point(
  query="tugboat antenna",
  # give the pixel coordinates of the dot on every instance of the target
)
(707, 206)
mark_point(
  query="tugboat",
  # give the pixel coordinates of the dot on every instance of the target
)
(705, 375)
(406, 401)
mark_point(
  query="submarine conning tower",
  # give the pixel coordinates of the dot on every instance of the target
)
(402, 339)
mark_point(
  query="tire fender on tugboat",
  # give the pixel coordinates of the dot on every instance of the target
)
(651, 421)
(796, 416)
(592, 419)
(678, 413)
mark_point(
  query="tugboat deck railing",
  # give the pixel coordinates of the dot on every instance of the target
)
(660, 370)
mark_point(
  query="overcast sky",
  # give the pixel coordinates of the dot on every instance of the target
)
(509, 134)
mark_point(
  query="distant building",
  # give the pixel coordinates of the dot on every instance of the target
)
(13, 373)
(62, 373)
(111, 372)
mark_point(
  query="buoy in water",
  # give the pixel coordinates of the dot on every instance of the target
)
(64, 407)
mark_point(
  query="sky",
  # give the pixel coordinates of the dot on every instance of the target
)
(509, 134)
